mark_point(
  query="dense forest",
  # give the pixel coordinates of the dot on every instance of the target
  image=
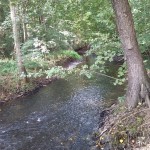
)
(38, 38)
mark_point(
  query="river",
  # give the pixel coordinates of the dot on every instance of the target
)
(61, 116)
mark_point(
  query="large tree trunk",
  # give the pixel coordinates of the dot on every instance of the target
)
(138, 82)
(14, 19)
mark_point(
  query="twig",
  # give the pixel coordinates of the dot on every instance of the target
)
(103, 132)
(106, 75)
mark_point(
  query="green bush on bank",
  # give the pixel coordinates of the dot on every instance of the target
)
(37, 67)
(71, 53)
(7, 66)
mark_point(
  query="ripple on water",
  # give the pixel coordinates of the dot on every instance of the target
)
(61, 116)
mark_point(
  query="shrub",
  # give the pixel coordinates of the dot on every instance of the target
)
(72, 54)
(7, 67)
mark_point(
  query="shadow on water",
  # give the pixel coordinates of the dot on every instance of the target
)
(61, 116)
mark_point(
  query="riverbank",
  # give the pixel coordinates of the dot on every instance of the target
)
(123, 129)
(26, 89)
(62, 115)
(13, 87)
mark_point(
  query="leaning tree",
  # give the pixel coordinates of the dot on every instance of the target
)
(138, 82)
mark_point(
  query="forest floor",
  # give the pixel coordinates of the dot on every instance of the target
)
(124, 130)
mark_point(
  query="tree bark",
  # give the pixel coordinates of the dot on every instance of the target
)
(24, 25)
(138, 82)
(14, 19)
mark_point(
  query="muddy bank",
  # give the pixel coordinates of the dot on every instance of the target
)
(66, 62)
(31, 88)
(124, 130)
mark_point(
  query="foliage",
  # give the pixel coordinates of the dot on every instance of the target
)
(86, 72)
(55, 28)
(56, 71)
(27, 47)
(121, 99)
(72, 54)
(7, 67)
(121, 75)
(141, 14)
(36, 65)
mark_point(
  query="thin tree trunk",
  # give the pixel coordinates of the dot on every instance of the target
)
(41, 19)
(24, 27)
(2, 14)
(14, 19)
(138, 82)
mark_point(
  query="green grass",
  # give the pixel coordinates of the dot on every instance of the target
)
(71, 54)
(7, 66)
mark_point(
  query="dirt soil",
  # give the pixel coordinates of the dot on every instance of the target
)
(30, 88)
(124, 130)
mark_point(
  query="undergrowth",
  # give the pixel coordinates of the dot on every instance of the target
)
(37, 66)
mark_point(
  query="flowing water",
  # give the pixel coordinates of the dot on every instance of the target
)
(61, 116)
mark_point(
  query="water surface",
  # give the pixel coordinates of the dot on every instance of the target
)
(61, 116)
